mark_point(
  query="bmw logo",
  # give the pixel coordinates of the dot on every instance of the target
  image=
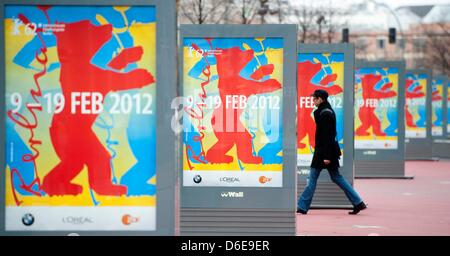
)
(197, 178)
(28, 219)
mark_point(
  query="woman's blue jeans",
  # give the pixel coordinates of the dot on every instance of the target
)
(304, 202)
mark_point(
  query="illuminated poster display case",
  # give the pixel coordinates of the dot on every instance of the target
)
(86, 108)
(379, 119)
(238, 140)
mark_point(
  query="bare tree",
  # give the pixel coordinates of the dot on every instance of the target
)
(273, 11)
(246, 10)
(329, 19)
(334, 21)
(204, 11)
(305, 17)
(437, 55)
(277, 10)
(331, 27)
(435, 45)
(263, 10)
(361, 46)
(320, 22)
(282, 9)
(229, 10)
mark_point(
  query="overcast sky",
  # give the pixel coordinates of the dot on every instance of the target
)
(396, 3)
(392, 3)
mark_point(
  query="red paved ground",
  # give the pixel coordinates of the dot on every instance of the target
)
(396, 207)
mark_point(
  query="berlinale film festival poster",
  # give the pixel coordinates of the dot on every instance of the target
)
(437, 103)
(376, 112)
(80, 124)
(448, 109)
(415, 106)
(318, 71)
(232, 117)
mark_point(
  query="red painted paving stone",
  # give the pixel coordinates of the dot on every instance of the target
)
(397, 207)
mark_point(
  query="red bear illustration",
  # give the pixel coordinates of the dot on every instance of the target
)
(436, 96)
(227, 126)
(367, 113)
(306, 71)
(71, 131)
(416, 93)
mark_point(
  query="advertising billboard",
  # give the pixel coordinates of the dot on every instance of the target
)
(80, 118)
(376, 108)
(437, 101)
(232, 116)
(415, 108)
(448, 109)
(318, 71)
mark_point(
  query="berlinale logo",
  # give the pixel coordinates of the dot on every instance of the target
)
(197, 178)
(28, 219)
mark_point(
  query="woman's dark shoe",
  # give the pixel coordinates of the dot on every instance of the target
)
(301, 211)
(359, 207)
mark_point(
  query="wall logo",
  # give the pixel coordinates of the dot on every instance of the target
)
(76, 220)
(264, 179)
(197, 178)
(128, 219)
(303, 171)
(28, 219)
(232, 194)
(229, 179)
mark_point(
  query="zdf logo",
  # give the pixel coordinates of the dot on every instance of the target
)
(128, 219)
(264, 179)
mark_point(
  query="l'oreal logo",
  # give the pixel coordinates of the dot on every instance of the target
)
(76, 220)
(229, 179)
(232, 194)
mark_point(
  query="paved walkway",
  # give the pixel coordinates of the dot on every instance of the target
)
(396, 207)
